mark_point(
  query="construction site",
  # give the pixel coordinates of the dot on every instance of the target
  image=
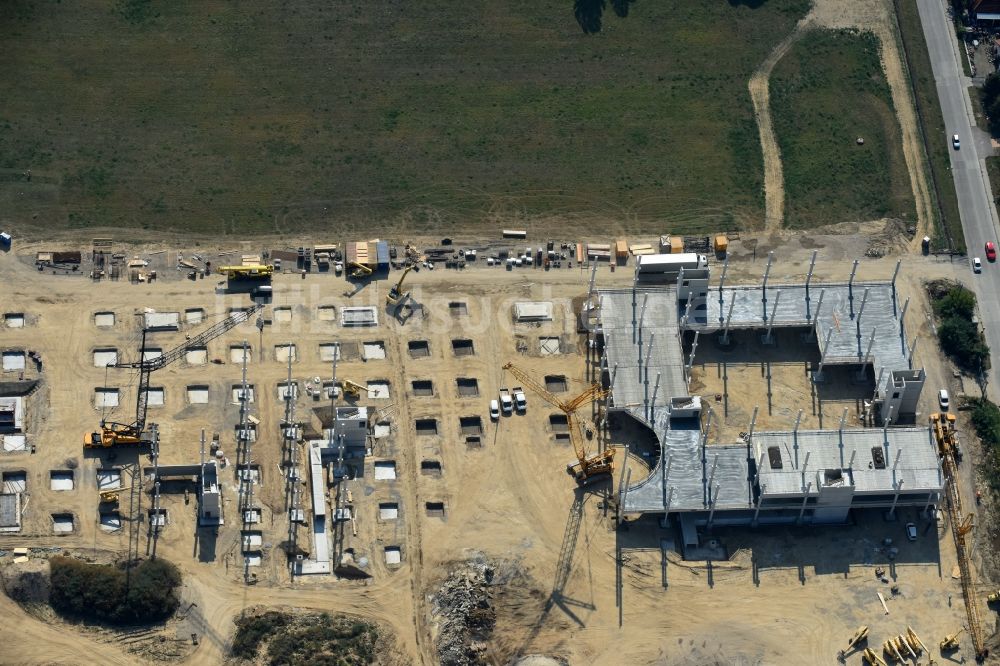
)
(575, 439)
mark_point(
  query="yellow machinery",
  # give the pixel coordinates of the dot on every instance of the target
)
(359, 270)
(396, 295)
(855, 641)
(132, 434)
(586, 467)
(946, 436)
(914, 641)
(110, 497)
(250, 272)
(994, 597)
(351, 389)
(873, 659)
(950, 642)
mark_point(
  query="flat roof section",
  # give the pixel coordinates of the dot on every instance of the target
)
(9, 513)
(627, 351)
(905, 455)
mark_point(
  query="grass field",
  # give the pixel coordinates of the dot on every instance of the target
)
(949, 225)
(829, 178)
(227, 118)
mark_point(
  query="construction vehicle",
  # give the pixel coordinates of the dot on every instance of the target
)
(994, 596)
(110, 497)
(586, 467)
(396, 295)
(133, 434)
(889, 648)
(351, 389)
(249, 272)
(854, 642)
(946, 435)
(950, 642)
(359, 271)
(873, 659)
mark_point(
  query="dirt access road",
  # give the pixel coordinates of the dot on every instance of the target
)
(878, 17)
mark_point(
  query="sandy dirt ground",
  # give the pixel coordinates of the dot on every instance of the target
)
(777, 596)
(877, 17)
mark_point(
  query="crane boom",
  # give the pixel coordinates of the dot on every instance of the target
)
(586, 466)
(112, 434)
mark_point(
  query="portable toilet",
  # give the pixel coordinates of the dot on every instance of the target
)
(5, 240)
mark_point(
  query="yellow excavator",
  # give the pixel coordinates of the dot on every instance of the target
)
(359, 270)
(109, 497)
(586, 467)
(351, 389)
(396, 295)
(950, 642)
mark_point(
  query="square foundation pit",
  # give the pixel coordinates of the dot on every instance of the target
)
(14, 443)
(418, 348)
(151, 353)
(385, 470)
(15, 482)
(373, 351)
(105, 357)
(194, 316)
(393, 555)
(284, 352)
(109, 479)
(388, 510)
(549, 346)
(62, 523)
(104, 319)
(105, 397)
(156, 396)
(197, 394)
(327, 313)
(111, 521)
(378, 389)
(196, 356)
(238, 393)
(13, 361)
(13, 319)
(236, 353)
(282, 315)
(61, 479)
(329, 351)
(288, 391)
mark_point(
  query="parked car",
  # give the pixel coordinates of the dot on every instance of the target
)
(494, 410)
(520, 400)
(911, 531)
(506, 404)
(944, 400)
(991, 251)
(977, 265)
(956, 144)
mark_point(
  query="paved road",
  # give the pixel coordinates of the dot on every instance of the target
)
(975, 202)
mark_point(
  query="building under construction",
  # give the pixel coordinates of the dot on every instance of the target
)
(651, 334)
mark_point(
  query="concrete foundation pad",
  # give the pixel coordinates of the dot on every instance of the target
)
(104, 319)
(13, 361)
(196, 356)
(197, 395)
(105, 357)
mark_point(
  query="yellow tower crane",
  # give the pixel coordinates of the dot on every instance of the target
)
(586, 467)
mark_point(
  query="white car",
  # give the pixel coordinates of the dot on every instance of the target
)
(977, 265)
(494, 410)
(911, 531)
(956, 144)
(944, 400)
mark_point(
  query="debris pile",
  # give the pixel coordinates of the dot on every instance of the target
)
(465, 606)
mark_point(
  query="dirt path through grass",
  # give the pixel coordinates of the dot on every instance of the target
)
(875, 16)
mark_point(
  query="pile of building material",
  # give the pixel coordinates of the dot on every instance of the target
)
(465, 607)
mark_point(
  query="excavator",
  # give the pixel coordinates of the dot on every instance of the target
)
(133, 434)
(351, 389)
(359, 271)
(109, 497)
(950, 642)
(585, 468)
(396, 295)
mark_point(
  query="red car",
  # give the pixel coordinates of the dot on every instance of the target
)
(991, 251)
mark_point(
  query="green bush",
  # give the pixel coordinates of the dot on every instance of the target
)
(961, 340)
(309, 640)
(104, 592)
(957, 302)
(986, 421)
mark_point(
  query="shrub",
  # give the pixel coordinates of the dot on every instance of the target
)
(961, 340)
(105, 592)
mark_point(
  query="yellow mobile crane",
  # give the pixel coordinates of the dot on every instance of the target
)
(251, 272)
(396, 295)
(351, 389)
(946, 436)
(587, 467)
(359, 271)
(119, 434)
